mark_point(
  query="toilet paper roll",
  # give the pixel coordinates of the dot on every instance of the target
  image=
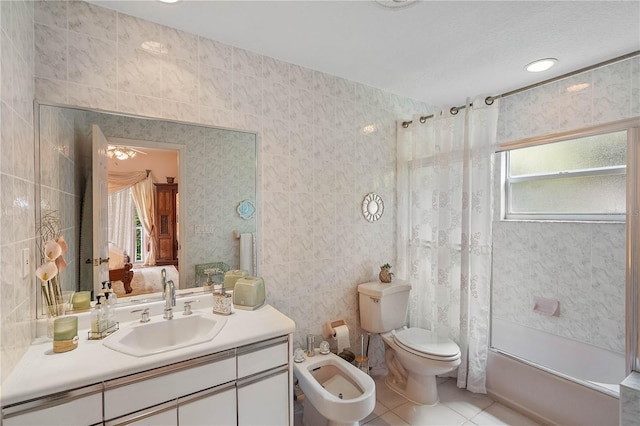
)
(342, 337)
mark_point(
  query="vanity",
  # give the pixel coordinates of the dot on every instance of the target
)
(241, 376)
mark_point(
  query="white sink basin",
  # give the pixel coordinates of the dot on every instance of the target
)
(161, 335)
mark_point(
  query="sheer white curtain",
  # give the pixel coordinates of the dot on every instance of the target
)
(121, 222)
(445, 170)
(140, 187)
(143, 198)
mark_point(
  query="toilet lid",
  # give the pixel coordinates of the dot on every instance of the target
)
(427, 343)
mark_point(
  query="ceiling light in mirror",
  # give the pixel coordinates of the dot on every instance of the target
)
(541, 65)
(120, 152)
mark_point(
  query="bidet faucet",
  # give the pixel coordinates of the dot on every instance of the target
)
(169, 299)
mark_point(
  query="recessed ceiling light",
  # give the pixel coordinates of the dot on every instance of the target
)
(169, 1)
(541, 65)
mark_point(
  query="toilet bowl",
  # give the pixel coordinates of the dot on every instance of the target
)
(414, 357)
(336, 392)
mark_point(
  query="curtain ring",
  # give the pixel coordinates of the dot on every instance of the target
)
(454, 110)
(489, 100)
(405, 124)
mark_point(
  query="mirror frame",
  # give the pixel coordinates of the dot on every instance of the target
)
(134, 300)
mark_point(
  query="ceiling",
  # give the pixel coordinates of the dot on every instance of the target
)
(439, 52)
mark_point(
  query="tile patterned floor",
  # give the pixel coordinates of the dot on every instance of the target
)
(457, 407)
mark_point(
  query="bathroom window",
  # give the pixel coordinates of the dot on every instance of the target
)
(576, 178)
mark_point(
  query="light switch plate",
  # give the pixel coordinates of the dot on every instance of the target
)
(26, 263)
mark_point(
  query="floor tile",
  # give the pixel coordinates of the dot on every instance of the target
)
(438, 414)
(379, 410)
(386, 396)
(461, 400)
(498, 414)
(387, 419)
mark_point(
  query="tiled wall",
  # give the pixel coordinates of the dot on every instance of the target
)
(325, 141)
(17, 293)
(580, 264)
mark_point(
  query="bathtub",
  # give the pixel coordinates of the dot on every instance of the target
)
(589, 365)
(553, 379)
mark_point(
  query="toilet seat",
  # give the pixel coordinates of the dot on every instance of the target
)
(426, 344)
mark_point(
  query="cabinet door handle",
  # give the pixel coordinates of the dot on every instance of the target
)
(262, 376)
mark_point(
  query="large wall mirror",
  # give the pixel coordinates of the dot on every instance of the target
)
(201, 180)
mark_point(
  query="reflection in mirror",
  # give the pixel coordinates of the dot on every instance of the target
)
(193, 221)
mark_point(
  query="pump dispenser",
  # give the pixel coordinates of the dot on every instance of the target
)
(221, 301)
(98, 317)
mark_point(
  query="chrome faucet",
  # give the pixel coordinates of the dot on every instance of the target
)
(163, 274)
(169, 299)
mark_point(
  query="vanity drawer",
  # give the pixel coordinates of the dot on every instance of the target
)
(138, 391)
(77, 407)
(262, 356)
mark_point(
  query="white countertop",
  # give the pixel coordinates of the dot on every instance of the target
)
(41, 371)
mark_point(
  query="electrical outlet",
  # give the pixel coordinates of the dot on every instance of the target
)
(26, 263)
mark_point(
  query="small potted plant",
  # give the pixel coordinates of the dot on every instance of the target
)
(385, 273)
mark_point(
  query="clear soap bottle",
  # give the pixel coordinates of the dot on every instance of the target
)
(97, 317)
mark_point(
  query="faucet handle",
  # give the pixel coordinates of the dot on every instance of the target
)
(187, 307)
(145, 314)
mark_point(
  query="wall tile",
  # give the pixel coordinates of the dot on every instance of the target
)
(275, 71)
(91, 61)
(132, 31)
(138, 71)
(247, 63)
(51, 52)
(51, 13)
(51, 90)
(214, 54)
(92, 20)
(180, 80)
(215, 88)
(92, 97)
(180, 44)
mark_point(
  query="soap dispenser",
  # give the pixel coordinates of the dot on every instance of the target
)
(221, 302)
(97, 317)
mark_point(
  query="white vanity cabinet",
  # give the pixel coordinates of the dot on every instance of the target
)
(212, 407)
(242, 377)
(263, 385)
(139, 392)
(75, 407)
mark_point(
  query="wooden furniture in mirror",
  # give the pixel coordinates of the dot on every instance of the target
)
(166, 224)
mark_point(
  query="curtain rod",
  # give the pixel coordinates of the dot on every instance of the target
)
(490, 99)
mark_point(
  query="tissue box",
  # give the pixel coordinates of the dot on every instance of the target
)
(230, 278)
(248, 293)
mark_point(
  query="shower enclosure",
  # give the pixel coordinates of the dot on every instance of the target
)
(563, 288)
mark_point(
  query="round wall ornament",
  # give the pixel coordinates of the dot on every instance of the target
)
(372, 207)
(246, 209)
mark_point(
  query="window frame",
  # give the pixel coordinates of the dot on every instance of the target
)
(629, 126)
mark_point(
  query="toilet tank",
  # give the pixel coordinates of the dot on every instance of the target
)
(383, 307)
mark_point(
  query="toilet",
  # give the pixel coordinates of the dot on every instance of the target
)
(336, 392)
(414, 356)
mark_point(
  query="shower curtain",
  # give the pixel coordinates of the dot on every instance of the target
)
(445, 209)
